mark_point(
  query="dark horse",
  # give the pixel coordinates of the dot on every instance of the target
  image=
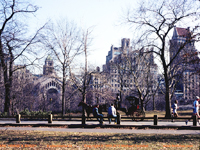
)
(87, 107)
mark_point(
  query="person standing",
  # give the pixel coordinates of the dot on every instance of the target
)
(97, 114)
(195, 109)
(117, 101)
(174, 107)
(112, 113)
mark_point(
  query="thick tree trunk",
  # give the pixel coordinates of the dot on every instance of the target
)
(142, 105)
(7, 85)
(7, 105)
(167, 95)
(168, 101)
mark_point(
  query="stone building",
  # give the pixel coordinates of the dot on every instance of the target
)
(48, 68)
(186, 64)
(126, 69)
(48, 88)
(116, 51)
(34, 92)
(99, 87)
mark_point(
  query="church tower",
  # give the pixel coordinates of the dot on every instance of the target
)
(48, 68)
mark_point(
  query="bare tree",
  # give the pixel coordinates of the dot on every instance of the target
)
(82, 82)
(13, 41)
(136, 74)
(119, 71)
(142, 73)
(154, 21)
(64, 40)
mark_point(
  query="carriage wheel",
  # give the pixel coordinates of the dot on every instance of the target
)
(142, 114)
(137, 115)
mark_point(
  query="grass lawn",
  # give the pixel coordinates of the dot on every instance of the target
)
(11, 139)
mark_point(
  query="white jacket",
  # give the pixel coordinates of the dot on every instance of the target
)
(111, 110)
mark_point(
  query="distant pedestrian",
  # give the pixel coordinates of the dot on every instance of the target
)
(174, 107)
(112, 114)
(195, 109)
(97, 114)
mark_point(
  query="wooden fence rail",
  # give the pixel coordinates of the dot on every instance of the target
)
(50, 118)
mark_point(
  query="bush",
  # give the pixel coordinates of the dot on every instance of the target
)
(26, 112)
(4, 114)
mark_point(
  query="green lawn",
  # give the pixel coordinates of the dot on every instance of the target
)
(79, 141)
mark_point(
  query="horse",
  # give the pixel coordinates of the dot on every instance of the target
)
(87, 107)
(131, 111)
(103, 108)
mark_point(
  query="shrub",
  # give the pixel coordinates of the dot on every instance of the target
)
(25, 112)
(34, 113)
(4, 114)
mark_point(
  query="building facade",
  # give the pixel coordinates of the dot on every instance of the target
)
(185, 65)
(127, 70)
(48, 88)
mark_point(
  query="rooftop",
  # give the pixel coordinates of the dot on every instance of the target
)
(49, 58)
(183, 32)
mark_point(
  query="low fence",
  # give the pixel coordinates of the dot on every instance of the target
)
(50, 118)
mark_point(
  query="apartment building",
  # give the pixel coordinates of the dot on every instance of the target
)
(128, 70)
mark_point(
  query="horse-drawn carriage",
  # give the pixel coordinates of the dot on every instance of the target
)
(135, 110)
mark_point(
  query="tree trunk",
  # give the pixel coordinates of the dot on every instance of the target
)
(142, 105)
(8, 85)
(167, 100)
(84, 82)
(167, 97)
(63, 93)
(154, 106)
(7, 105)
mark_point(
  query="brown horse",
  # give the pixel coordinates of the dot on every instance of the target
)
(87, 107)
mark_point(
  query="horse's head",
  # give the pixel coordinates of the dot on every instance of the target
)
(80, 104)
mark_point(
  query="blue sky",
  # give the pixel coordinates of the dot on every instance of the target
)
(104, 15)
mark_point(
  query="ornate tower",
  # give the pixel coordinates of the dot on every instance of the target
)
(48, 68)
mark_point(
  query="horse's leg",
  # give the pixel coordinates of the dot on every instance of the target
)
(87, 114)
